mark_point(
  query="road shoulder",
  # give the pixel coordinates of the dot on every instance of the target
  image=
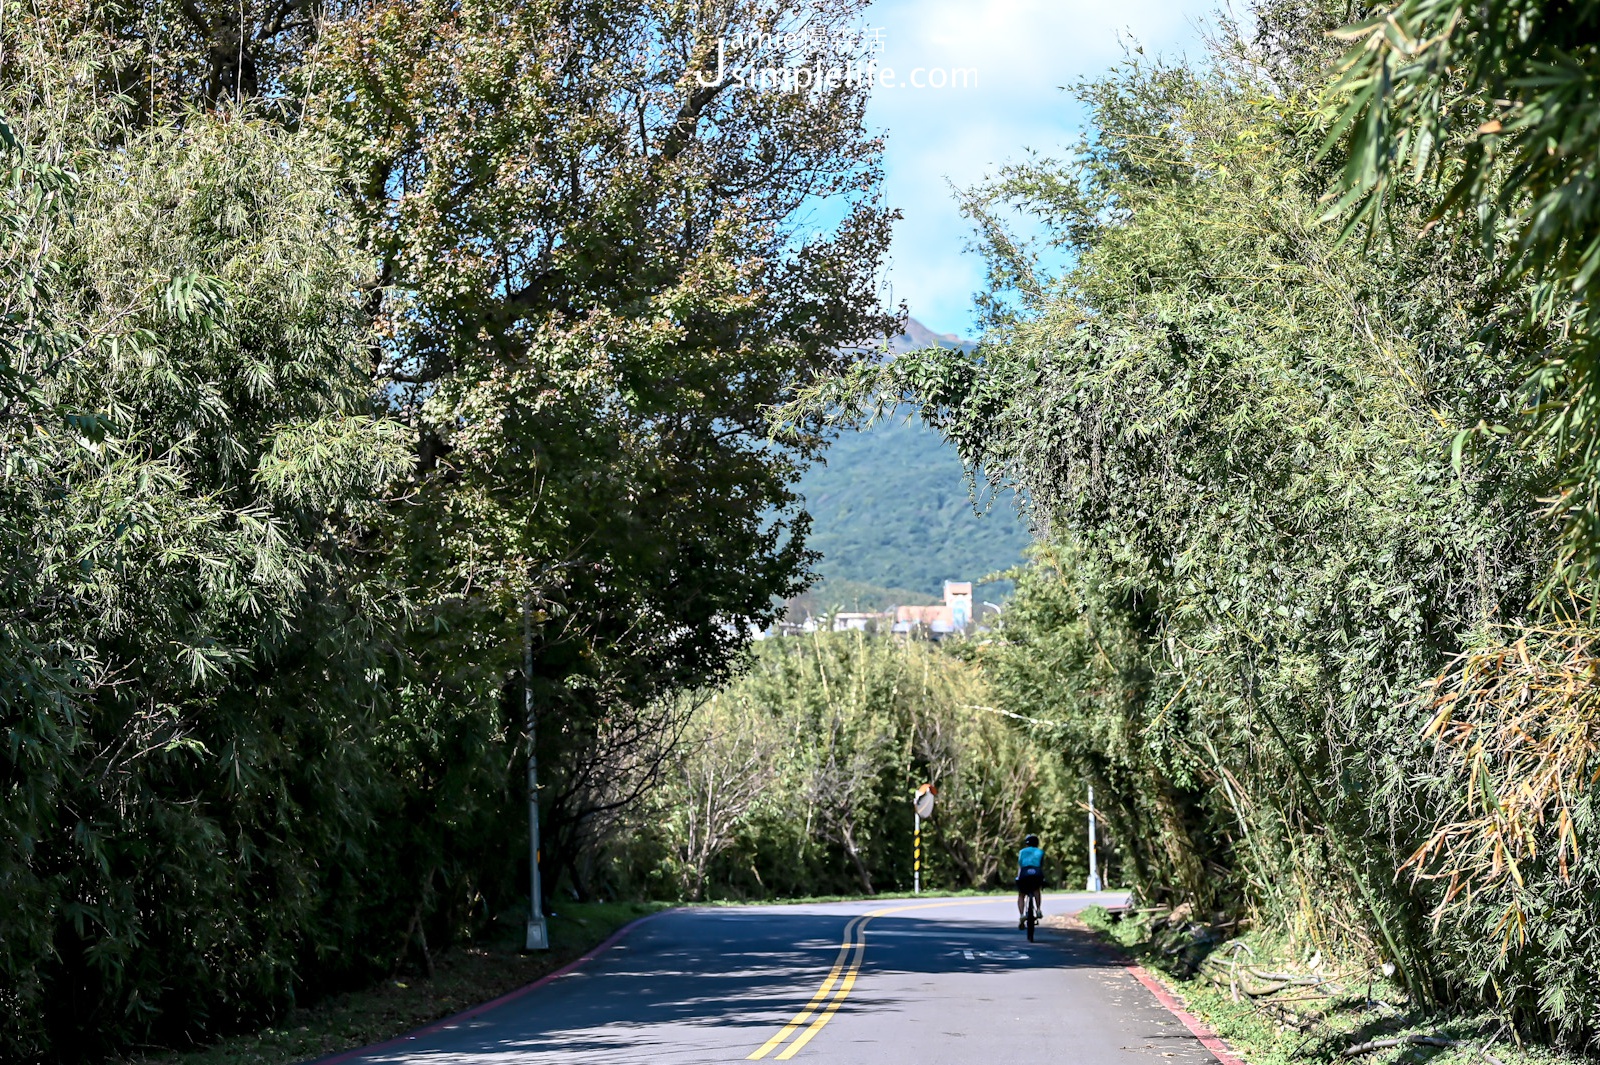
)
(1327, 1013)
(464, 979)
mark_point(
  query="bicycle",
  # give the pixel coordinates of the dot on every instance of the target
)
(1031, 914)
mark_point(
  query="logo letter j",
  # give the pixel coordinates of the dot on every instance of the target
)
(722, 63)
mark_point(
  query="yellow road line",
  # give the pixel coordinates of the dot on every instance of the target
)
(822, 993)
(833, 1007)
(854, 947)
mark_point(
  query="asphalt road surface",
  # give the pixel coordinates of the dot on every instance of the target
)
(924, 981)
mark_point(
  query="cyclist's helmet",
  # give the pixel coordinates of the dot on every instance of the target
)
(1031, 840)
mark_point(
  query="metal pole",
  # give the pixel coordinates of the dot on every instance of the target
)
(1094, 865)
(916, 856)
(538, 937)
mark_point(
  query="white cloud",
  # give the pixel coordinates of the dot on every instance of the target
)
(1023, 51)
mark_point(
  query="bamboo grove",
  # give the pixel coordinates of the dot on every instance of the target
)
(349, 349)
(1306, 425)
(791, 781)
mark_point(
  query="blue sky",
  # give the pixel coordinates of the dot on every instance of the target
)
(1024, 51)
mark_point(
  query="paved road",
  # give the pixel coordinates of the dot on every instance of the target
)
(929, 982)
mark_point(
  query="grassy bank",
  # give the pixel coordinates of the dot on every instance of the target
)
(463, 977)
(1275, 1006)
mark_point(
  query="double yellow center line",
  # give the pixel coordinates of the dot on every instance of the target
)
(820, 1010)
(850, 952)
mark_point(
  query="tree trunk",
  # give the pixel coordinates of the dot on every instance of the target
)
(848, 839)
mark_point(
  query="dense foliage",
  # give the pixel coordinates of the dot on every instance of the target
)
(1493, 106)
(189, 700)
(1247, 441)
(796, 779)
(354, 352)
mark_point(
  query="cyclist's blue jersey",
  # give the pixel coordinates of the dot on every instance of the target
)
(1030, 858)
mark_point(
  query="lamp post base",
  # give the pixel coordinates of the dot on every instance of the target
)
(538, 935)
(1093, 884)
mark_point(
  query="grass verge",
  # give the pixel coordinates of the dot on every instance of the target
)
(463, 977)
(1317, 1015)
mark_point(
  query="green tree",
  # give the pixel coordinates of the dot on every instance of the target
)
(1486, 112)
(593, 288)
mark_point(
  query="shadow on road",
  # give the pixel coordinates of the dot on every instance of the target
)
(720, 975)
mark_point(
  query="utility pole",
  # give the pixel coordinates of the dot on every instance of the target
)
(1094, 864)
(538, 937)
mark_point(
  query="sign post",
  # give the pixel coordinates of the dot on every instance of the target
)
(916, 854)
(1094, 865)
(922, 806)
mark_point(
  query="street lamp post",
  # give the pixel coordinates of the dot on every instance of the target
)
(538, 937)
(1094, 864)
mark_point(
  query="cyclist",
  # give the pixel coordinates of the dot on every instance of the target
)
(1030, 877)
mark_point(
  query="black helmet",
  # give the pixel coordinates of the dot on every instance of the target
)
(1031, 840)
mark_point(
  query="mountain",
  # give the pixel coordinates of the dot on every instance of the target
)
(891, 513)
(918, 335)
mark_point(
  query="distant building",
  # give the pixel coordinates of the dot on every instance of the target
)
(925, 616)
(958, 614)
(958, 599)
(842, 621)
(937, 621)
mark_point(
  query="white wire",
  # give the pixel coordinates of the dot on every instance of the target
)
(1013, 714)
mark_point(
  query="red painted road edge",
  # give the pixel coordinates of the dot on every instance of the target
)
(510, 996)
(1207, 1037)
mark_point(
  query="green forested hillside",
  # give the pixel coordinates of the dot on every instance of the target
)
(891, 509)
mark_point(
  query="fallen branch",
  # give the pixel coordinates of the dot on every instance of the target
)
(1272, 990)
(1288, 978)
(1384, 1044)
(1284, 985)
(1415, 1040)
(1300, 1022)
